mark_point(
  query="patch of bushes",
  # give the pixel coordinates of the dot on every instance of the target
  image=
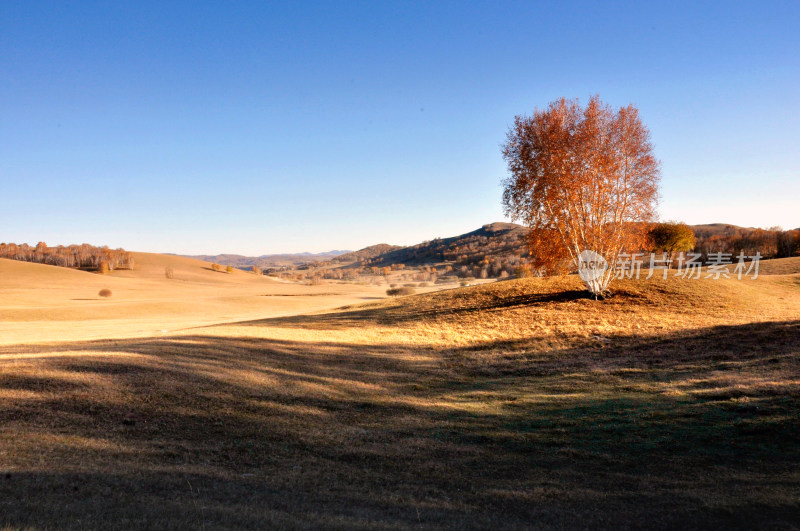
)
(105, 292)
(397, 292)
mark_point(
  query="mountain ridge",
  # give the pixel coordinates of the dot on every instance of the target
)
(267, 260)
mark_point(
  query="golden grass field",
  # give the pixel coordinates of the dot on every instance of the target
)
(226, 400)
(46, 303)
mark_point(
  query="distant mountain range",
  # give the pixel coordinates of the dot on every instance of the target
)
(268, 260)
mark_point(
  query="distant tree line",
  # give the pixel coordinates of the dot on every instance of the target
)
(770, 243)
(82, 256)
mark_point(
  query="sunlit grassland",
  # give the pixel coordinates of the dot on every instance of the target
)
(518, 404)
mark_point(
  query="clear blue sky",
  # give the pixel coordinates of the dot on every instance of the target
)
(198, 127)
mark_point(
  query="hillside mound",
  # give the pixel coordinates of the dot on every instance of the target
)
(543, 313)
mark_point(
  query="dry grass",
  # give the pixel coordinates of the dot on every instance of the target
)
(781, 266)
(516, 404)
(46, 303)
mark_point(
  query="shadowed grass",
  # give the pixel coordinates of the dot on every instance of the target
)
(369, 418)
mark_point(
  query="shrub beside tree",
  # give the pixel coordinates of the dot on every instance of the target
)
(672, 237)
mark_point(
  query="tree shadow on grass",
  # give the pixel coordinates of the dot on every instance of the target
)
(399, 312)
(201, 430)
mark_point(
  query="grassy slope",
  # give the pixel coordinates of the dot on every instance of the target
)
(46, 303)
(518, 403)
(780, 266)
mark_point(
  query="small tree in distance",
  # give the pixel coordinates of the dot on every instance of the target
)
(672, 237)
(583, 179)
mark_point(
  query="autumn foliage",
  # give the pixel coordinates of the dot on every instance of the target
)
(83, 256)
(769, 243)
(582, 178)
(671, 238)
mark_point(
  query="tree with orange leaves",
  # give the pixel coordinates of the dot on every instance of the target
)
(585, 180)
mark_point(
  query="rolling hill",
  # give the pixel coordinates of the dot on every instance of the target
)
(493, 250)
(492, 241)
(41, 302)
